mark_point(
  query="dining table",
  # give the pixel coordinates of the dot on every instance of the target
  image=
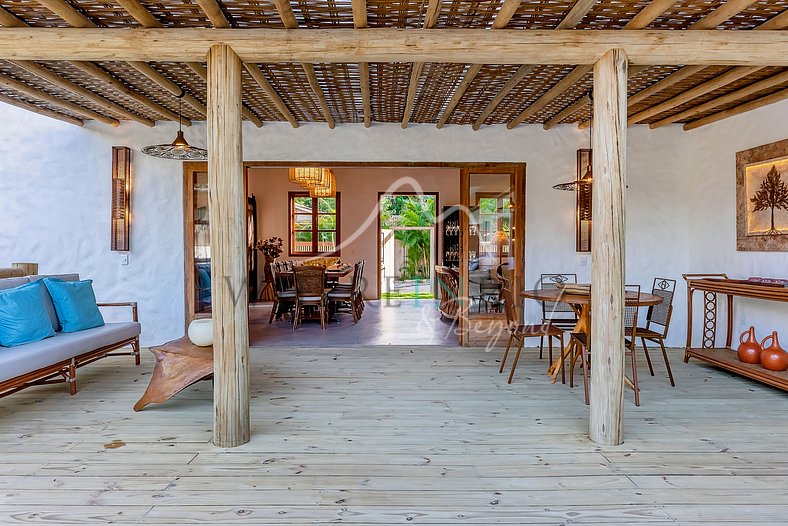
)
(581, 305)
(333, 273)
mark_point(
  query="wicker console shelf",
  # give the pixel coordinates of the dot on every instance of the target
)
(725, 357)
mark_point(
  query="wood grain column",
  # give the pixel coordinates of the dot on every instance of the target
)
(607, 248)
(227, 204)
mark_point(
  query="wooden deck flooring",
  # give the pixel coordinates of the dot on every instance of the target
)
(390, 435)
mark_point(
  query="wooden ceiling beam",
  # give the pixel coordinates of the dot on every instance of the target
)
(67, 12)
(505, 14)
(65, 84)
(739, 94)
(167, 84)
(35, 93)
(478, 46)
(748, 106)
(285, 11)
(722, 13)
(430, 19)
(214, 12)
(716, 83)
(646, 15)
(572, 18)
(41, 111)
(258, 77)
(360, 22)
(567, 112)
(95, 71)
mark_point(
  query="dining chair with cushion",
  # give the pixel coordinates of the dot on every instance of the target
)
(284, 294)
(658, 317)
(448, 291)
(558, 313)
(310, 291)
(583, 344)
(520, 332)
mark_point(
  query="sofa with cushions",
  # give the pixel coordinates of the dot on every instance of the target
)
(61, 344)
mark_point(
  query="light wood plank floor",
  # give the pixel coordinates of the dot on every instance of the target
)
(388, 435)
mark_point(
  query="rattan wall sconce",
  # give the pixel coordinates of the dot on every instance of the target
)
(121, 189)
(584, 191)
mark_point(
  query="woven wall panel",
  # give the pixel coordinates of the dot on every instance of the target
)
(389, 89)
(290, 82)
(544, 14)
(69, 72)
(489, 81)
(437, 84)
(342, 88)
(11, 70)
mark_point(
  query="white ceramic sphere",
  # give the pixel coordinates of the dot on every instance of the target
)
(201, 332)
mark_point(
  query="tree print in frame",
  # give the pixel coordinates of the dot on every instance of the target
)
(762, 198)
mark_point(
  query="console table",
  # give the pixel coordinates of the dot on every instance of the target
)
(725, 357)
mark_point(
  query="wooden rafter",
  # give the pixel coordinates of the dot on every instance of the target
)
(289, 20)
(9, 20)
(748, 106)
(167, 84)
(30, 91)
(430, 19)
(269, 90)
(572, 18)
(716, 83)
(570, 110)
(214, 12)
(752, 89)
(360, 22)
(505, 14)
(41, 111)
(144, 17)
(62, 83)
(646, 15)
(67, 12)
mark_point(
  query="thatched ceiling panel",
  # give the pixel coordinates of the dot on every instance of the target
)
(389, 88)
(490, 81)
(544, 14)
(437, 84)
(541, 79)
(341, 85)
(257, 100)
(290, 82)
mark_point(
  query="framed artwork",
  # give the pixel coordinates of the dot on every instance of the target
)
(762, 198)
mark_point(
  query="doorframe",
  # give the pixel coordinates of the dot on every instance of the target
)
(189, 167)
(433, 259)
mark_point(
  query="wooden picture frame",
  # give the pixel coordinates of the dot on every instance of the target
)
(762, 198)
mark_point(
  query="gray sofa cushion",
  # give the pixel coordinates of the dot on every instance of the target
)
(16, 361)
(10, 283)
(48, 304)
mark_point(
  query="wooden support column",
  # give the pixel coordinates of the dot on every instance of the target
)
(607, 249)
(227, 201)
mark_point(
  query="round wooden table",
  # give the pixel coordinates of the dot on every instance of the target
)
(581, 304)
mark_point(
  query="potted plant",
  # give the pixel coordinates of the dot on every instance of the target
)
(271, 248)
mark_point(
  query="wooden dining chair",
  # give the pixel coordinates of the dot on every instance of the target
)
(345, 294)
(310, 291)
(658, 317)
(284, 295)
(520, 332)
(560, 314)
(582, 342)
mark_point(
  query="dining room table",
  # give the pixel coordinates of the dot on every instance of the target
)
(581, 305)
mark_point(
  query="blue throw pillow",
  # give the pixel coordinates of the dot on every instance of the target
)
(75, 304)
(23, 315)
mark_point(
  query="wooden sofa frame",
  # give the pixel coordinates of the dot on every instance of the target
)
(66, 370)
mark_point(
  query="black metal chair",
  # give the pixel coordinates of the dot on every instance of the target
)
(658, 316)
(558, 313)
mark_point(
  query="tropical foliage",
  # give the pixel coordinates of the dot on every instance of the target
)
(411, 211)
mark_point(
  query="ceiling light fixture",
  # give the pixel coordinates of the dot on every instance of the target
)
(179, 149)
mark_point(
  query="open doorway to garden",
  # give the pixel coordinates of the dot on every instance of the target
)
(407, 245)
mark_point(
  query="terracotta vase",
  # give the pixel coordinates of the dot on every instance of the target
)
(773, 358)
(749, 350)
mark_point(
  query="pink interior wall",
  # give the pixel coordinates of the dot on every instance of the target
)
(358, 187)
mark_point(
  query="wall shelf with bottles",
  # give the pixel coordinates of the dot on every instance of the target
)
(451, 235)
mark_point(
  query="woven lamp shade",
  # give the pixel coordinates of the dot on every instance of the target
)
(329, 190)
(308, 176)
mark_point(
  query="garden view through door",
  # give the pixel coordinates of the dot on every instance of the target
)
(407, 245)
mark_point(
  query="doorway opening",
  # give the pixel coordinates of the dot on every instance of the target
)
(407, 245)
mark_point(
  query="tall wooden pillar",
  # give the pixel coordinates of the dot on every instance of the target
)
(607, 248)
(227, 203)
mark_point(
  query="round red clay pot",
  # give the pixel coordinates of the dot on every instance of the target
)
(773, 358)
(749, 350)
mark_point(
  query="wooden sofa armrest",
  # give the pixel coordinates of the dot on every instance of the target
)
(132, 304)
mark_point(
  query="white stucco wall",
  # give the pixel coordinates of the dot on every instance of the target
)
(712, 212)
(55, 183)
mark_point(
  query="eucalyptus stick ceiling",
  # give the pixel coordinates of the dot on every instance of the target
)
(441, 93)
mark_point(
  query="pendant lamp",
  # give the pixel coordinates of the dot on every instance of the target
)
(582, 180)
(179, 149)
(308, 176)
(329, 190)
